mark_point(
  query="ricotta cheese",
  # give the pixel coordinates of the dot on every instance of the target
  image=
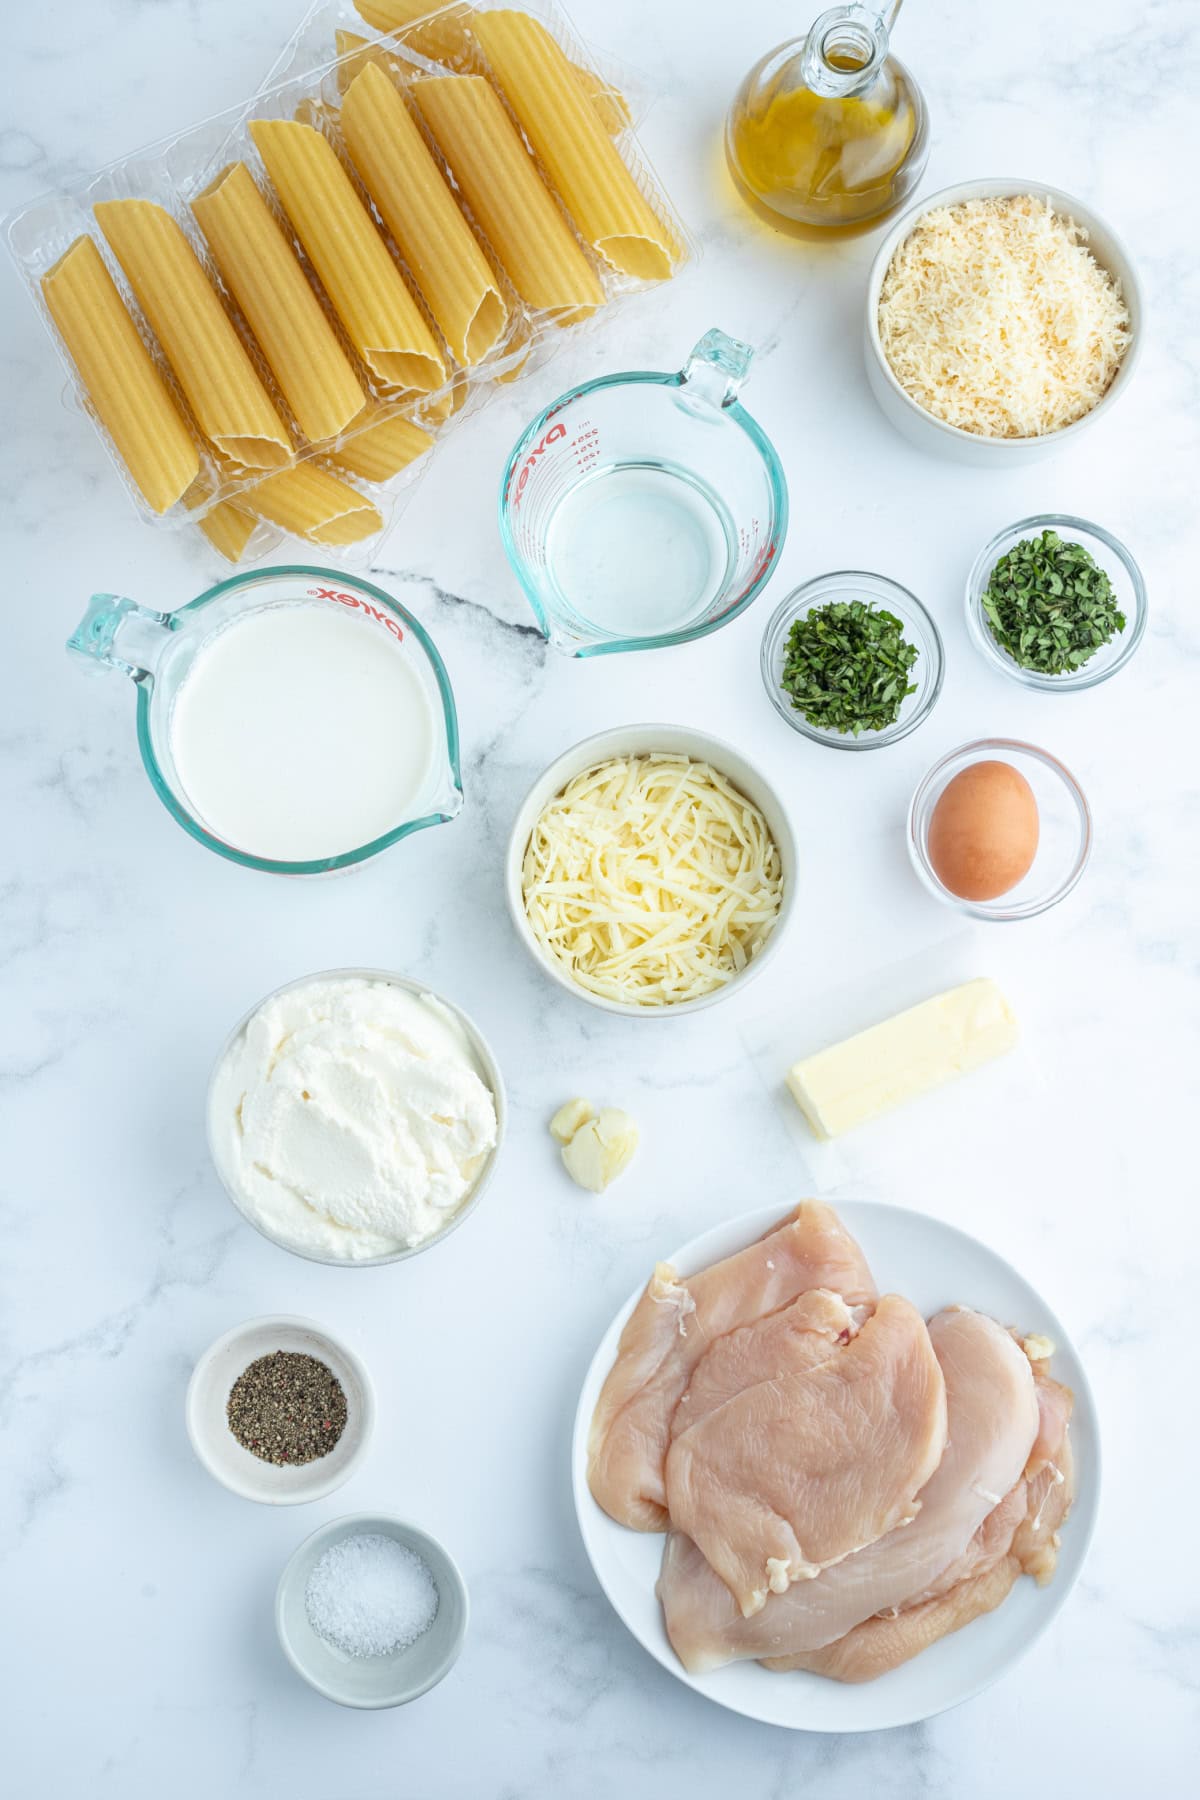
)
(350, 1119)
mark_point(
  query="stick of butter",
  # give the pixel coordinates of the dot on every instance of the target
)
(919, 1049)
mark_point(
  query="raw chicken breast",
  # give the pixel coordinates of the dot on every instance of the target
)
(1019, 1537)
(1055, 1406)
(806, 1333)
(1050, 1481)
(873, 1648)
(797, 1473)
(991, 1543)
(993, 1422)
(672, 1326)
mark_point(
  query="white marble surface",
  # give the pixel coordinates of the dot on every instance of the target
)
(136, 1595)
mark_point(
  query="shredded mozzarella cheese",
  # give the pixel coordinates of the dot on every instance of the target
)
(997, 319)
(652, 879)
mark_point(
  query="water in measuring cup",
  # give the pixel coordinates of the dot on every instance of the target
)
(302, 732)
(640, 549)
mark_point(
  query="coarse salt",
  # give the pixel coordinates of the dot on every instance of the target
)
(369, 1595)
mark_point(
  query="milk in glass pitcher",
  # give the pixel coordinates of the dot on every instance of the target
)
(295, 720)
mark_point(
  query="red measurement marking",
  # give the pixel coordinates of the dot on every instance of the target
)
(539, 449)
(342, 598)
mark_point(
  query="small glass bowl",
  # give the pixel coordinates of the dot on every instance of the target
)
(919, 629)
(1064, 828)
(1105, 550)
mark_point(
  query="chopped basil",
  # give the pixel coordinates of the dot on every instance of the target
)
(1050, 606)
(846, 667)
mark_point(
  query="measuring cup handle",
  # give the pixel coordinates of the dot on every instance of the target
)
(717, 368)
(119, 634)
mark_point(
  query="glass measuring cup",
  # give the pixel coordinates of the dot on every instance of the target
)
(645, 509)
(158, 650)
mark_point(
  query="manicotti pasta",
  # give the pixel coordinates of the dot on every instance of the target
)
(125, 390)
(399, 172)
(577, 154)
(313, 371)
(377, 451)
(314, 504)
(447, 40)
(355, 53)
(228, 528)
(382, 320)
(503, 189)
(439, 39)
(651, 879)
(443, 406)
(222, 386)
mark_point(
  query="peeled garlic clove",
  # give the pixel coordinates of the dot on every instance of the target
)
(569, 1118)
(601, 1149)
(619, 1134)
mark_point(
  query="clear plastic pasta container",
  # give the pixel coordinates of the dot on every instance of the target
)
(272, 317)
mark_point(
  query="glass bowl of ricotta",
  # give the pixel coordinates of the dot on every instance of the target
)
(355, 1118)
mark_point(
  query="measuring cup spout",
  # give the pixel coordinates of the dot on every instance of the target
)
(716, 369)
(119, 634)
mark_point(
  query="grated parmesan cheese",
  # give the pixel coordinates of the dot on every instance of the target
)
(652, 880)
(997, 319)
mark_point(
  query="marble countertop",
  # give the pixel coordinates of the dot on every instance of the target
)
(137, 1595)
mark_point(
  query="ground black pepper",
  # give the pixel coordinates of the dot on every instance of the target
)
(287, 1408)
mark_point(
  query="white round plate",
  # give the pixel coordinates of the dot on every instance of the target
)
(935, 1265)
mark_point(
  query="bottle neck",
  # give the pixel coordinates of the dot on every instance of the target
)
(846, 47)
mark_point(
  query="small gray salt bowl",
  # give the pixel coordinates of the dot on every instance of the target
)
(372, 1681)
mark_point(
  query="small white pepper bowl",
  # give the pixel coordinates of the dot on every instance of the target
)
(644, 740)
(239, 1469)
(372, 1682)
(1109, 554)
(929, 433)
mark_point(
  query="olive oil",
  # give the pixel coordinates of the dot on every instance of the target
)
(828, 131)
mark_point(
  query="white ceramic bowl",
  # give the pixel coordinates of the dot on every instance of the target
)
(640, 740)
(919, 426)
(489, 1071)
(238, 1469)
(372, 1682)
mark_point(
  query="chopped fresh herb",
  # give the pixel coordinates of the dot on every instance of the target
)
(1050, 606)
(846, 666)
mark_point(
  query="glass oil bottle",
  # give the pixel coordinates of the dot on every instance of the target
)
(829, 132)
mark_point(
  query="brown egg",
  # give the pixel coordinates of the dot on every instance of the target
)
(983, 835)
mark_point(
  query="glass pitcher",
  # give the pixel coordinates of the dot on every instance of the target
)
(829, 131)
(158, 651)
(645, 509)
